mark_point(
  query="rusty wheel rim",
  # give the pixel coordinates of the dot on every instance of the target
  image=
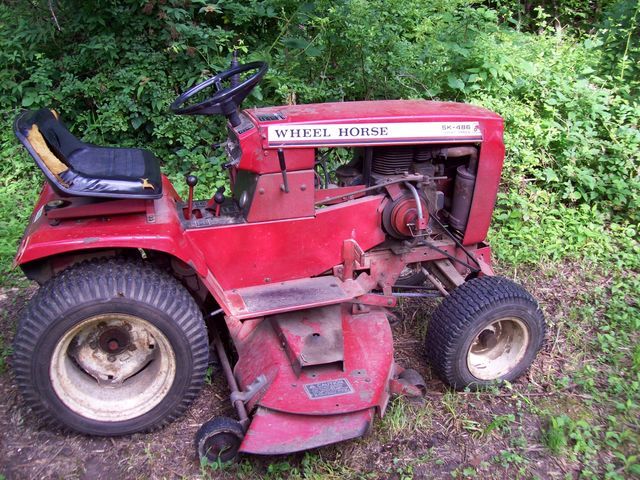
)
(409, 270)
(498, 349)
(112, 367)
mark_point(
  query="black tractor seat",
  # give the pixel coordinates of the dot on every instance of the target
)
(76, 168)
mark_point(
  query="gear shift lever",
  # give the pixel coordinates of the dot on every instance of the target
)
(218, 199)
(192, 181)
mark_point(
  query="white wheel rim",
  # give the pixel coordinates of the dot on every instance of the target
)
(112, 367)
(498, 348)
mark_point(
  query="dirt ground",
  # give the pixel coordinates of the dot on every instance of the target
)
(490, 434)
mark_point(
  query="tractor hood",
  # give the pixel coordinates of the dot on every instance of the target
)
(372, 123)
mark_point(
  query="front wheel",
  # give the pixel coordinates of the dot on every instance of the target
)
(489, 329)
(111, 348)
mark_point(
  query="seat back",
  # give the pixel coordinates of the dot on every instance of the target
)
(81, 169)
(40, 131)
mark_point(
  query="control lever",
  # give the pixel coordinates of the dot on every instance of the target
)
(218, 200)
(230, 164)
(192, 181)
(283, 168)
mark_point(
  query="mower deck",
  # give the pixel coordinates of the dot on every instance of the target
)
(325, 372)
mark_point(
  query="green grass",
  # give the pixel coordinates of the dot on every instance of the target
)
(404, 418)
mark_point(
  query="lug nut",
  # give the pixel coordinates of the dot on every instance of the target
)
(111, 358)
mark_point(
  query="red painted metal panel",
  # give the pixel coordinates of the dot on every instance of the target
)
(255, 159)
(271, 202)
(82, 207)
(275, 433)
(375, 111)
(258, 253)
(237, 255)
(133, 230)
(487, 182)
(366, 370)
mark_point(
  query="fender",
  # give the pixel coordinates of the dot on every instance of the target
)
(162, 233)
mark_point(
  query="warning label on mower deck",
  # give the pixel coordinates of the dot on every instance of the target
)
(329, 388)
(374, 133)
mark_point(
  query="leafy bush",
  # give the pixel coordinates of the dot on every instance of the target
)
(571, 180)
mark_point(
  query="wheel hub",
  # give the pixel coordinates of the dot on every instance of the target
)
(113, 350)
(498, 349)
(487, 339)
(114, 340)
(112, 367)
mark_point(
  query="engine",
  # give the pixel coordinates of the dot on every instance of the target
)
(449, 173)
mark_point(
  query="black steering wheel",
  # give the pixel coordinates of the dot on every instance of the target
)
(225, 100)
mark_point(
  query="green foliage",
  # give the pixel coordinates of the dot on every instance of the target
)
(571, 181)
(621, 38)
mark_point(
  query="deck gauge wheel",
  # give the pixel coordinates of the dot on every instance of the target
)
(411, 275)
(412, 377)
(219, 439)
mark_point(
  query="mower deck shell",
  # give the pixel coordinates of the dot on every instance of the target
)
(327, 369)
(363, 373)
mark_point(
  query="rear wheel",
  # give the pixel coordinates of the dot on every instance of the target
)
(489, 329)
(111, 348)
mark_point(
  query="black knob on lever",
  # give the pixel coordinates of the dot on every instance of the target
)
(219, 196)
(192, 181)
(218, 199)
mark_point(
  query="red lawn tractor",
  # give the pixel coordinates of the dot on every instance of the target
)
(288, 276)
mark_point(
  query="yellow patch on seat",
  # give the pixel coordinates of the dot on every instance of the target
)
(55, 114)
(147, 184)
(53, 163)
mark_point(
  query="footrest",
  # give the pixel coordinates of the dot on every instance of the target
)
(276, 433)
(250, 302)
